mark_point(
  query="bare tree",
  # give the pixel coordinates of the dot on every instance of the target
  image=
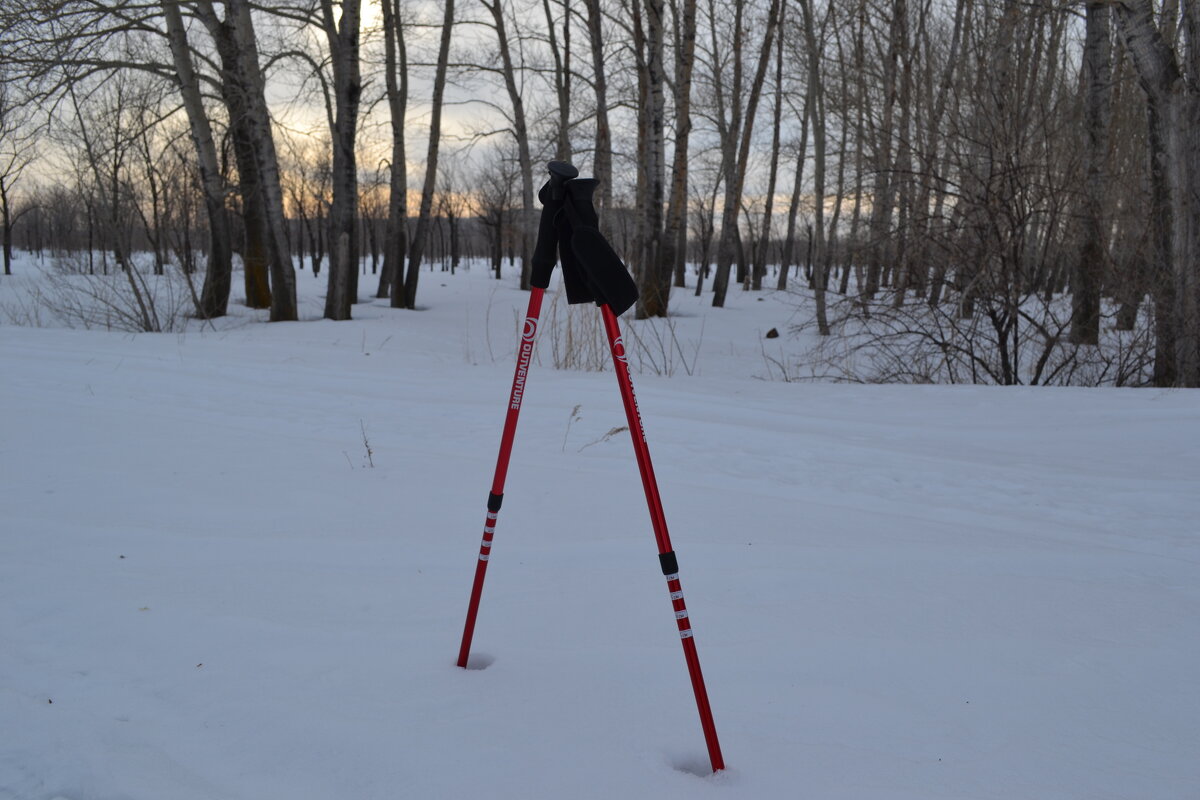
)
(431, 160)
(215, 295)
(816, 109)
(665, 251)
(759, 269)
(244, 91)
(883, 195)
(789, 239)
(256, 240)
(1170, 74)
(560, 52)
(675, 237)
(493, 203)
(648, 46)
(16, 153)
(309, 171)
(603, 148)
(737, 136)
(520, 132)
(104, 139)
(342, 36)
(1097, 81)
(395, 247)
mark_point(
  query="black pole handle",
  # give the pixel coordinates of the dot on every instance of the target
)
(545, 252)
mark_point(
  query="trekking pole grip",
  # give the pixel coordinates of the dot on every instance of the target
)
(545, 252)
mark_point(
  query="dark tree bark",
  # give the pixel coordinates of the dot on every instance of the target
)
(521, 135)
(789, 240)
(675, 239)
(561, 54)
(6, 226)
(395, 247)
(816, 106)
(759, 269)
(653, 271)
(342, 35)
(883, 194)
(602, 157)
(1097, 88)
(417, 251)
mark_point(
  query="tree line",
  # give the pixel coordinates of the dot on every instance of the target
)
(1028, 169)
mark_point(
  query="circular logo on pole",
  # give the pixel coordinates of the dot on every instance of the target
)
(530, 329)
(619, 350)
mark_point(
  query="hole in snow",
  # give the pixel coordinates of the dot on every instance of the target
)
(479, 661)
(692, 765)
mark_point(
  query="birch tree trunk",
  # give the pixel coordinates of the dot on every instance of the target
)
(656, 271)
(342, 36)
(256, 242)
(1170, 80)
(816, 107)
(242, 68)
(902, 175)
(283, 273)
(214, 296)
(675, 237)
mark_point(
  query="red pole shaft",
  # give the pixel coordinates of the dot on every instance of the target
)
(659, 522)
(524, 355)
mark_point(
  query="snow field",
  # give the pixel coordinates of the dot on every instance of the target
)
(206, 591)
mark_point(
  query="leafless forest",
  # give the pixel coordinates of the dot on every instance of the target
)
(954, 190)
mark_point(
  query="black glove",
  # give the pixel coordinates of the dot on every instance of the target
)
(606, 279)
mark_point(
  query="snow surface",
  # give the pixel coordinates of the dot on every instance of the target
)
(207, 591)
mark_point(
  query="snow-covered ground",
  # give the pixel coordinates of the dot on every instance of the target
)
(208, 591)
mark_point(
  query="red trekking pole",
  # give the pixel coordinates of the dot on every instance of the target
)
(544, 259)
(658, 520)
(614, 291)
(591, 272)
